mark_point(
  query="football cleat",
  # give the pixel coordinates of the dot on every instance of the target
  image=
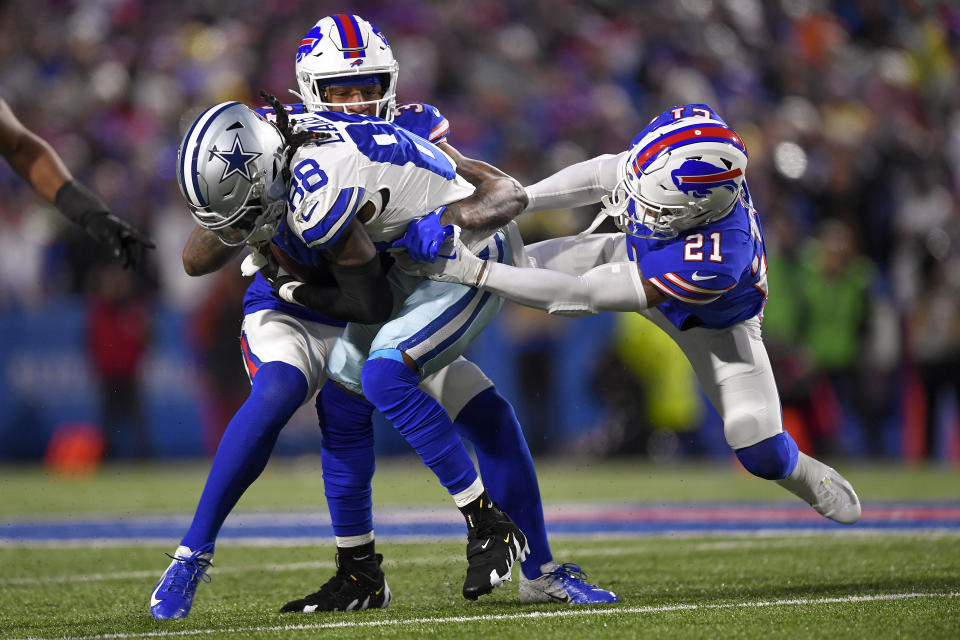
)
(173, 595)
(356, 586)
(563, 583)
(824, 489)
(836, 498)
(494, 544)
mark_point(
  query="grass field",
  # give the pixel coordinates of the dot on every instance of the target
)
(840, 583)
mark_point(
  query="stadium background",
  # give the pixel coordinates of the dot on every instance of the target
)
(849, 110)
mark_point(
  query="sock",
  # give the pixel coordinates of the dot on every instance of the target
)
(347, 458)
(392, 388)
(471, 510)
(469, 494)
(771, 459)
(278, 390)
(364, 553)
(489, 422)
(344, 542)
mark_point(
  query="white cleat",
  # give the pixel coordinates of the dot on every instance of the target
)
(824, 489)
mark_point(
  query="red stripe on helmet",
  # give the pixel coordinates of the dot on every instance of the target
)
(713, 177)
(351, 34)
(710, 131)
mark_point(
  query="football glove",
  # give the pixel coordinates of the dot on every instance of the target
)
(82, 206)
(456, 264)
(424, 236)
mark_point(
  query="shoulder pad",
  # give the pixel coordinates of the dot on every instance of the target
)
(325, 182)
(423, 120)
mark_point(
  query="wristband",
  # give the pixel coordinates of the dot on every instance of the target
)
(79, 204)
(286, 291)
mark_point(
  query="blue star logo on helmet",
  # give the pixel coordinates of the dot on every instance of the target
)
(237, 160)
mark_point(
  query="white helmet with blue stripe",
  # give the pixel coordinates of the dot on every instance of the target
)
(684, 170)
(230, 171)
(346, 49)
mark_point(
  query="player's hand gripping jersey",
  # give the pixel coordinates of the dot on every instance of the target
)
(423, 120)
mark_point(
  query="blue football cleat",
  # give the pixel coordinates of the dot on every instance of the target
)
(563, 583)
(173, 595)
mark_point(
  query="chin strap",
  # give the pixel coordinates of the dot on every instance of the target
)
(613, 205)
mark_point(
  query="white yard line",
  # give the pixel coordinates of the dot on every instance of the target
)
(562, 613)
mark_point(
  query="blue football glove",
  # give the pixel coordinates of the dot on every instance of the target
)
(424, 236)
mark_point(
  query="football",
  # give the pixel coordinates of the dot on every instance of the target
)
(302, 272)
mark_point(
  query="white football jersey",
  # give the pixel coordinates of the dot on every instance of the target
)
(363, 157)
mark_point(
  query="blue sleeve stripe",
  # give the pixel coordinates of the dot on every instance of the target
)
(336, 219)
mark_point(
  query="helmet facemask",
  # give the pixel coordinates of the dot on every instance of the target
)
(339, 49)
(230, 172)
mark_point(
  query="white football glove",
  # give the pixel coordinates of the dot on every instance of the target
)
(455, 263)
(253, 262)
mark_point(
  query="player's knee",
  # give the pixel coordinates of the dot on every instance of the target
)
(770, 459)
(489, 421)
(343, 417)
(385, 378)
(279, 386)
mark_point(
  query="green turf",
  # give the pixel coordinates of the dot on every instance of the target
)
(683, 588)
(671, 586)
(296, 484)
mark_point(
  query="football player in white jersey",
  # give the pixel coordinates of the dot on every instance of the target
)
(284, 342)
(691, 259)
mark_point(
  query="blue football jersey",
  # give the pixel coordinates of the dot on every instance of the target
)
(713, 276)
(423, 120)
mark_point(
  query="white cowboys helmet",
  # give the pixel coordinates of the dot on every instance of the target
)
(230, 170)
(681, 174)
(345, 49)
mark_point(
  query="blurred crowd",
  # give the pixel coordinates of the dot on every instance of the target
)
(850, 110)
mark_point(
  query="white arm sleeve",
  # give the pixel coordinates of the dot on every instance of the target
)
(577, 185)
(615, 286)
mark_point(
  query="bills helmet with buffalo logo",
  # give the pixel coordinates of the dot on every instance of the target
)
(685, 169)
(345, 49)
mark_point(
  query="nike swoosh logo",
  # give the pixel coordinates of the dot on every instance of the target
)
(153, 596)
(507, 539)
(306, 217)
(485, 544)
(695, 276)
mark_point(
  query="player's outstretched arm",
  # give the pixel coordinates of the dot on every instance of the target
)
(615, 286)
(204, 252)
(498, 198)
(37, 163)
(577, 185)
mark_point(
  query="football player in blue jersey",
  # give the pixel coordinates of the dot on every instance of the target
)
(286, 346)
(691, 259)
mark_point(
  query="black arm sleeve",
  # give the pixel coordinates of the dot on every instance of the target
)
(79, 204)
(363, 294)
